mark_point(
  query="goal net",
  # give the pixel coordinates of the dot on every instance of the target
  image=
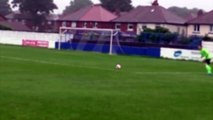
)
(89, 39)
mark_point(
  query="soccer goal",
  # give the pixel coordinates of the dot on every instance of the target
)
(92, 39)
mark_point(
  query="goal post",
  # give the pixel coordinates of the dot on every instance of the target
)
(68, 34)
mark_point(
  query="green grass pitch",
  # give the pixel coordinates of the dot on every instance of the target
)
(42, 84)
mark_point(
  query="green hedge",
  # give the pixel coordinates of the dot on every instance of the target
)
(4, 28)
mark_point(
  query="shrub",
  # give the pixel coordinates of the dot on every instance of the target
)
(4, 28)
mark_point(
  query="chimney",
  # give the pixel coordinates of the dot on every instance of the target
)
(155, 3)
(118, 12)
(200, 12)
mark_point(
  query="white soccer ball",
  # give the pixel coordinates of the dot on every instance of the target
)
(118, 66)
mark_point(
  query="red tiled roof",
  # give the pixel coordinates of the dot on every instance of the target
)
(206, 18)
(52, 17)
(151, 14)
(15, 26)
(90, 13)
(26, 16)
(18, 15)
(76, 15)
(2, 18)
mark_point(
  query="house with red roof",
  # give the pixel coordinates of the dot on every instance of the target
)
(12, 25)
(16, 26)
(94, 16)
(22, 18)
(2, 18)
(150, 17)
(49, 25)
(201, 25)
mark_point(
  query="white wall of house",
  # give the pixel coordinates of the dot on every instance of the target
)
(140, 27)
(203, 30)
(176, 28)
(173, 28)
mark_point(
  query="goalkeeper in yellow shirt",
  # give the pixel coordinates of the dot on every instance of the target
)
(206, 58)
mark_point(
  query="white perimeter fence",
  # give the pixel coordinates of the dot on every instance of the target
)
(33, 39)
(47, 40)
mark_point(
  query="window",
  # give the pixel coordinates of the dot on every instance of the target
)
(64, 24)
(49, 22)
(130, 27)
(85, 24)
(157, 26)
(74, 24)
(211, 28)
(144, 26)
(178, 29)
(117, 26)
(183, 32)
(43, 23)
(23, 22)
(196, 28)
(95, 25)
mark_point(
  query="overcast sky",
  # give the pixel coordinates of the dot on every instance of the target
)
(206, 5)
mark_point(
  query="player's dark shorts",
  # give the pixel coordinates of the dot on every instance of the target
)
(208, 61)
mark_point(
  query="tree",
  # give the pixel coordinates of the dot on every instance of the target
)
(38, 9)
(4, 28)
(117, 5)
(184, 12)
(76, 5)
(4, 7)
(158, 29)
